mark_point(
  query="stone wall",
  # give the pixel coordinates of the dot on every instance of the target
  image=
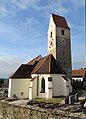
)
(10, 111)
(63, 54)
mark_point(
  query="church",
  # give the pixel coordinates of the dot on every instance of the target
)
(48, 76)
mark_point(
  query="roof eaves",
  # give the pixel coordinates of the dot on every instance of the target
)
(60, 68)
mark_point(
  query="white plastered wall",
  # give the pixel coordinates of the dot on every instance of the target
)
(18, 86)
(34, 86)
(40, 95)
(59, 85)
(34, 89)
(51, 28)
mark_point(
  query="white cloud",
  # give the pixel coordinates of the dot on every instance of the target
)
(10, 7)
(70, 24)
(23, 4)
(30, 21)
(77, 4)
(56, 5)
(9, 64)
(5, 11)
(10, 32)
(5, 28)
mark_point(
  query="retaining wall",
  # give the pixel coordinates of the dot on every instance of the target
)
(9, 111)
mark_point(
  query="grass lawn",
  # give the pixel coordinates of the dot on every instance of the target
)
(53, 100)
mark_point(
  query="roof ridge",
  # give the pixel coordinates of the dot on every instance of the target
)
(43, 62)
(57, 15)
(36, 58)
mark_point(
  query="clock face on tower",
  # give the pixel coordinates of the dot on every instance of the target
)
(51, 43)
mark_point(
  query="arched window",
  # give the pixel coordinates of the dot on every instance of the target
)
(43, 86)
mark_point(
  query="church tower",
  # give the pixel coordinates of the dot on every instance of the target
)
(59, 43)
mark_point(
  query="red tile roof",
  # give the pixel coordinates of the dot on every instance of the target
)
(39, 65)
(60, 21)
(47, 65)
(78, 72)
(33, 61)
(24, 71)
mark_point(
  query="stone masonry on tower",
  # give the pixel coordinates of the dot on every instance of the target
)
(59, 43)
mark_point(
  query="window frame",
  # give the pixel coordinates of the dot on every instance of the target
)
(63, 32)
(43, 85)
(51, 34)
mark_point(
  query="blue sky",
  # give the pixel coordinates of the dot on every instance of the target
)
(23, 30)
